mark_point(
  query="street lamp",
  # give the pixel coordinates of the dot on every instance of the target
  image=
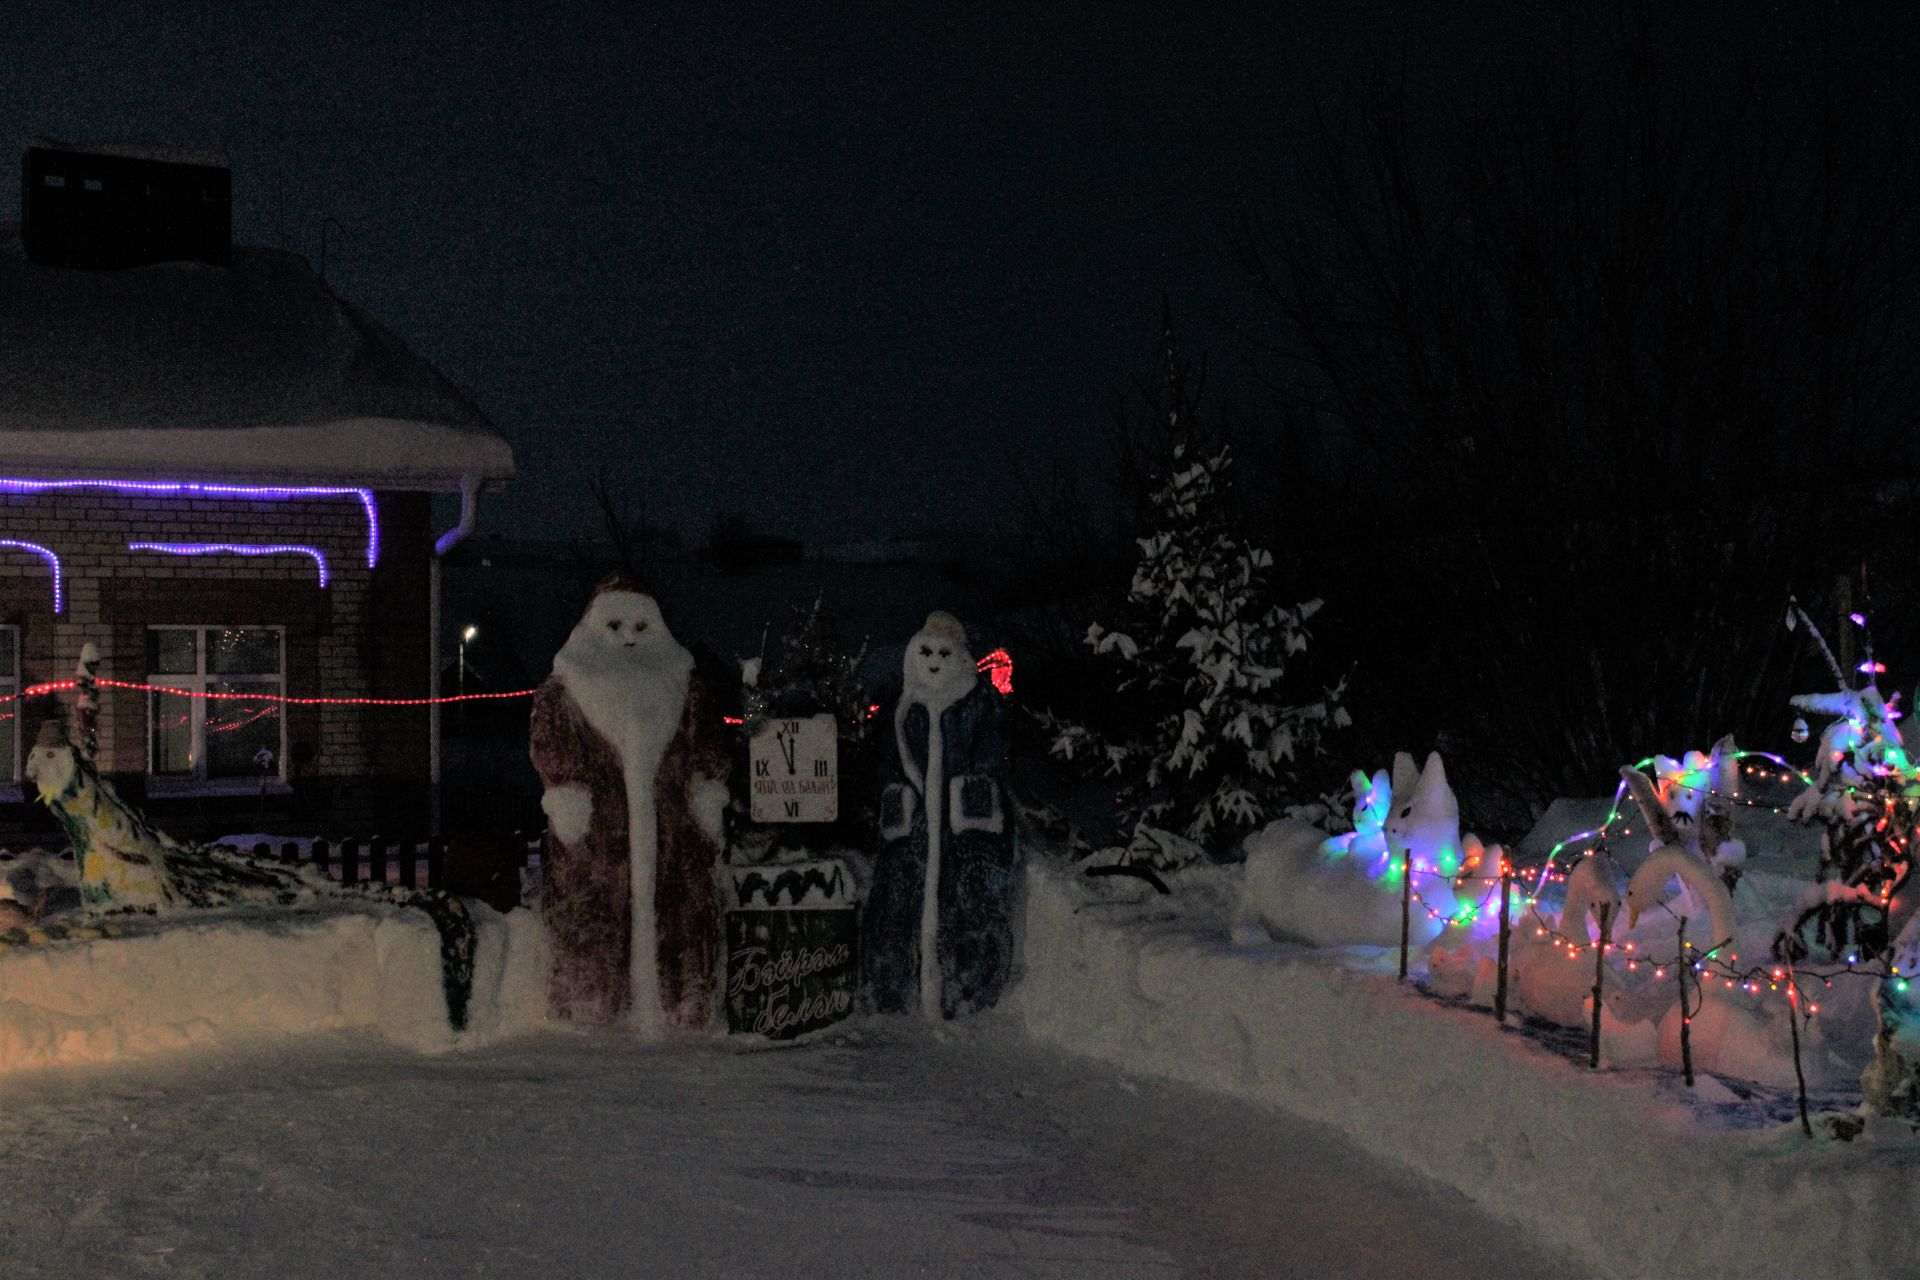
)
(465, 636)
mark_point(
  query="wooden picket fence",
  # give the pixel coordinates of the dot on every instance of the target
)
(414, 864)
(373, 860)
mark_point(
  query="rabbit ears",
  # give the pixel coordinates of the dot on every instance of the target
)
(1426, 792)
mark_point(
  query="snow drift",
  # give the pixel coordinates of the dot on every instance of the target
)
(229, 977)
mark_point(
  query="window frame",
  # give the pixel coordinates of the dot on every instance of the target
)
(197, 682)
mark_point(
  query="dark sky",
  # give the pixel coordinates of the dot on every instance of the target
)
(850, 275)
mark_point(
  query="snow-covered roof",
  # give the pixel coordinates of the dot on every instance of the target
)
(137, 151)
(250, 372)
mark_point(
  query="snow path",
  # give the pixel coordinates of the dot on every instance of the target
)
(892, 1150)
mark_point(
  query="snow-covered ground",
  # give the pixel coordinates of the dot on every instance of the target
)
(886, 1149)
(1628, 1169)
(251, 1092)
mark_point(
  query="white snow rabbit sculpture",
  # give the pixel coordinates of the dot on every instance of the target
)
(1345, 891)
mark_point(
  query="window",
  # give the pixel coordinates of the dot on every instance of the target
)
(233, 733)
(10, 709)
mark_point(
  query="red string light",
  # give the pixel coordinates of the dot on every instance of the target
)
(56, 686)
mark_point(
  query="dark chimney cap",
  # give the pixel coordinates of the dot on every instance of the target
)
(110, 206)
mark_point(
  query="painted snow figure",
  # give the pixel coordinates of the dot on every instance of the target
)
(634, 772)
(1688, 803)
(128, 865)
(939, 921)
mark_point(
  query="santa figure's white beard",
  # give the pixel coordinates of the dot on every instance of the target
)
(936, 695)
(634, 698)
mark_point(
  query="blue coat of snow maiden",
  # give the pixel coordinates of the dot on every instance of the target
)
(945, 821)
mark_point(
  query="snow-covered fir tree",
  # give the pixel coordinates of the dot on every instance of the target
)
(1200, 657)
(817, 670)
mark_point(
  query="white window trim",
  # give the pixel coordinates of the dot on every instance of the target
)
(197, 782)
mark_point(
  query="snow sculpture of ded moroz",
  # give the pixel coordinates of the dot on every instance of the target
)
(939, 926)
(634, 772)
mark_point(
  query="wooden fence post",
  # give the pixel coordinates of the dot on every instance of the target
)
(350, 861)
(1406, 907)
(377, 860)
(1605, 912)
(1500, 988)
(323, 856)
(1685, 967)
(1793, 1020)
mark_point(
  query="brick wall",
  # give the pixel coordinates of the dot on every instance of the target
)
(366, 634)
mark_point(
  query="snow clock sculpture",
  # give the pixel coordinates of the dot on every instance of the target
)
(939, 921)
(634, 773)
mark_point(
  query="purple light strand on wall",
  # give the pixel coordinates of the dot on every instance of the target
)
(52, 559)
(184, 488)
(236, 548)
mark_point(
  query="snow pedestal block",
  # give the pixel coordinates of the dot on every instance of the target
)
(225, 978)
(1628, 1170)
(792, 948)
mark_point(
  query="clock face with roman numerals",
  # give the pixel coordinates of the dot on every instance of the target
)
(794, 768)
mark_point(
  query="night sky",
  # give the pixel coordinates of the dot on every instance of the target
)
(851, 276)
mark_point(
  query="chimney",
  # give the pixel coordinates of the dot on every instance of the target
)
(107, 207)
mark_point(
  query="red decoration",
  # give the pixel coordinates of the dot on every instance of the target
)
(998, 666)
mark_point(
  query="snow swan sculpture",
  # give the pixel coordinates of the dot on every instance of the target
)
(1648, 890)
(1544, 982)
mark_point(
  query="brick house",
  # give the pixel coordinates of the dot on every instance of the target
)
(221, 474)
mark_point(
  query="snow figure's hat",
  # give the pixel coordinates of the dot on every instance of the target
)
(945, 625)
(53, 733)
(620, 581)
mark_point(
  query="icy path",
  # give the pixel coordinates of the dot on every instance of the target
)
(889, 1152)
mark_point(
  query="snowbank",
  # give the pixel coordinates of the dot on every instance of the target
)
(1662, 1184)
(226, 978)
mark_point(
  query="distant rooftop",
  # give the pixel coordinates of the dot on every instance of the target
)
(253, 371)
(164, 153)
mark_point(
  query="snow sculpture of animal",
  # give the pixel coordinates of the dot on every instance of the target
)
(126, 864)
(1345, 891)
(1890, 1085)
(1425, 819)
(1730, 1033)
(1688, 804)
(1464, 959)
(1372, 803)
(1702, 893)
(633, 770)
(1542, 980)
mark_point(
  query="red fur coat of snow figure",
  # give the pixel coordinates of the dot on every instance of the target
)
(634, 772)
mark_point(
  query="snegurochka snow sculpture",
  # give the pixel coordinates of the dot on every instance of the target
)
(939, 923)
(634, 770)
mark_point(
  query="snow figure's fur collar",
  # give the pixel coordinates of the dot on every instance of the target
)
(626, 673)
(937, 671)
